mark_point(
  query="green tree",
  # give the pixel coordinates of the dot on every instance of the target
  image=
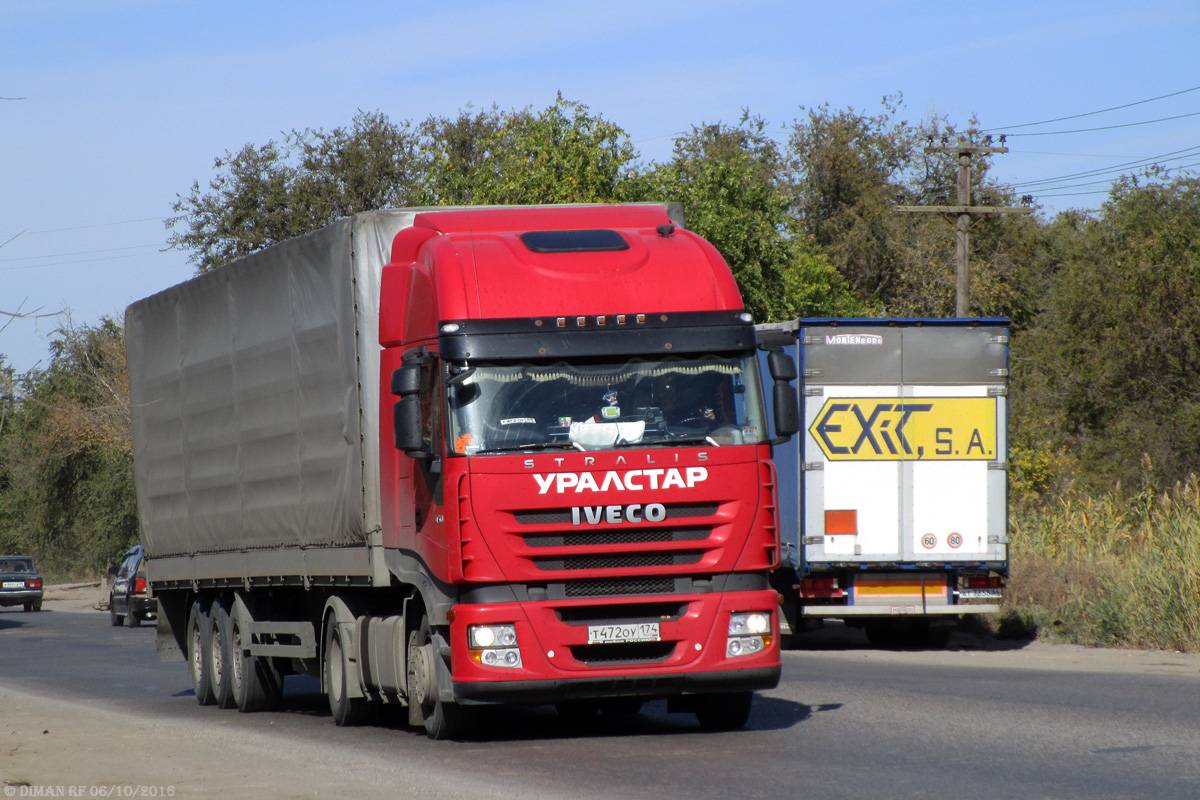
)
(562, 154)
(263, 195)
(66, 475)
(1112, 368)
(849, 169)
(735, 187)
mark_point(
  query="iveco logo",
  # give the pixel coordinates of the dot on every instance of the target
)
(615, 515)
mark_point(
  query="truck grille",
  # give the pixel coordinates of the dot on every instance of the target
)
(609, 587)
(635, 536)
(617, 561)
(599, 655)
(621, 614)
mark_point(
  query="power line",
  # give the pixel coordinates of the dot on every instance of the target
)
(1092, 113)
(1142, 162)
(80, 253)
(97, 225)
(68, 263)
(1109, 127)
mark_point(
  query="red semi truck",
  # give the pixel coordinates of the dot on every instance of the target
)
(442, 458)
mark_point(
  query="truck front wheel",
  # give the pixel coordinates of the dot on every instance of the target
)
(442, 720)
(346, 710)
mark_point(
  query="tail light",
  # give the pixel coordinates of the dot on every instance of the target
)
(820, 587)
(139, 585)
(33, 584)
(992, 582)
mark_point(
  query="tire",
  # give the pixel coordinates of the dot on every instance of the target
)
(113, 616)
(220, 656)
(442, 720)
(131, 618)
(347, 711)
(256, 684)
(727, 711)
(199, 646)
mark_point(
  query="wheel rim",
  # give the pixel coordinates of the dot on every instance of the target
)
(235, 640)
(197, 654)
(217, 661)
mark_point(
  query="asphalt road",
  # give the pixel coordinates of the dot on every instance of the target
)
(976, 721)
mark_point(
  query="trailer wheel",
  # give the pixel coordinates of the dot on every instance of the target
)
(220, 656)
(199, 645)
(347, 711)
(256, 683)
(726, 711)
(442, 720)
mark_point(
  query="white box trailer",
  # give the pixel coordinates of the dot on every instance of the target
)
(893, 500)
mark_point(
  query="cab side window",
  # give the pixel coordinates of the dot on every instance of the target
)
(430, 396)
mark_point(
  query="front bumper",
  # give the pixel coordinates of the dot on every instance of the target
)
(557, 662)
(648, 686)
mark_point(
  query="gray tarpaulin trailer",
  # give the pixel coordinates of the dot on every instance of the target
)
(256, 389)
(893, 500)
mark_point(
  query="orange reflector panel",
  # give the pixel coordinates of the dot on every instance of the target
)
(841, 522)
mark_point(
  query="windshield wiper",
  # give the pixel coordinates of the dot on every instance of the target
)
(668, 442)
(518, 448)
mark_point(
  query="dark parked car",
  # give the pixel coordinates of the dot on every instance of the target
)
(20, 583)
(127, 602)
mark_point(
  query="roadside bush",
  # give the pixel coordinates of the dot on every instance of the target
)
(1115, 569)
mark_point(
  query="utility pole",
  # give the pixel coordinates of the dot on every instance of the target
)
(963, 214)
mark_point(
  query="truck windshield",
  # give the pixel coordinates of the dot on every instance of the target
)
(502, 406)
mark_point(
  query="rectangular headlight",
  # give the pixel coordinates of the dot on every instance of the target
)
(750, 623)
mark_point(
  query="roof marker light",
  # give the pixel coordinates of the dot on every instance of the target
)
(451, 327)
(562, 322)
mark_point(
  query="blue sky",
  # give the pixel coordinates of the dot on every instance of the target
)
(126, 102)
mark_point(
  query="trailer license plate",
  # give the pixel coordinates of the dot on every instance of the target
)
(980, 594)
(637, 632)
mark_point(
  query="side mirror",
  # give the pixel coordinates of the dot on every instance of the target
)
(781, 365)
(786, 403)
(408, 427)
(787, 410)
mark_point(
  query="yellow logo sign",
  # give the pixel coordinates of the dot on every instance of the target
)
(907, 429)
